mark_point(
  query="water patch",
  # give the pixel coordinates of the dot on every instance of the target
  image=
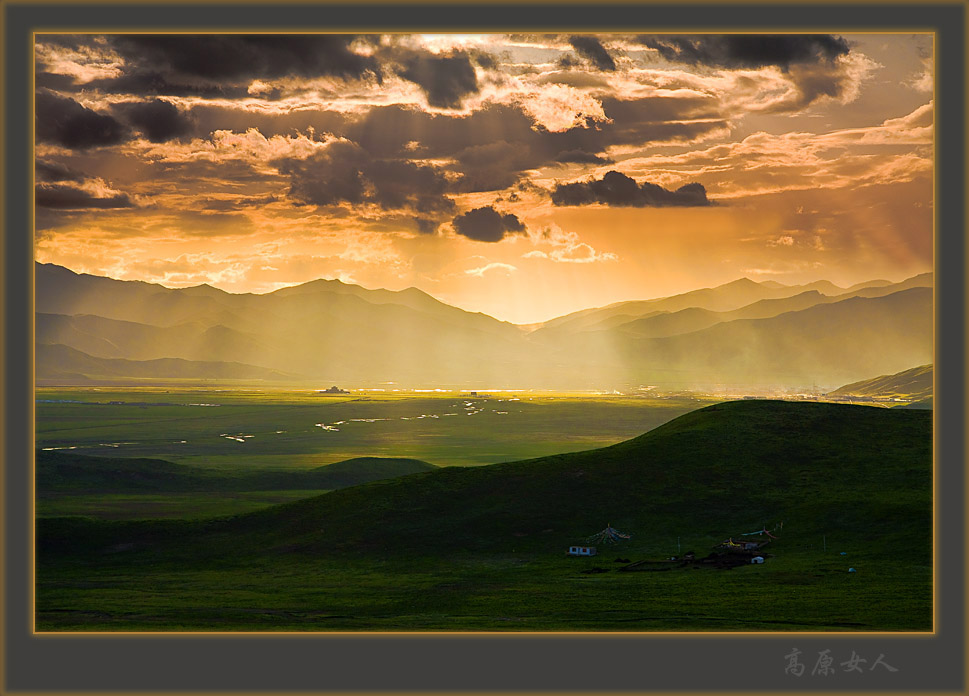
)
(238, 438)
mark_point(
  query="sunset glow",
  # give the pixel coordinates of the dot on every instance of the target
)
(523, 176)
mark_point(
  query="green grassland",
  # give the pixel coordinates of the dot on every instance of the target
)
(279, 433)
(192, 505)
(482, 548)
(279, 428)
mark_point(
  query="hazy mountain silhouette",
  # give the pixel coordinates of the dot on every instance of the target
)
(327, 330)
(915, 384)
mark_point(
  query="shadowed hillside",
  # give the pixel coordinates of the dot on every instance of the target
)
(862, 472)
(59, 472)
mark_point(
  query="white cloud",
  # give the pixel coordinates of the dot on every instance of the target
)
(505, 268)
(565, 247)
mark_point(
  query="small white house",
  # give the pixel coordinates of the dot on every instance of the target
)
(757, 559)
(582, 550)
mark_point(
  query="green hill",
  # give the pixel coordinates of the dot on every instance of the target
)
(483, 548)
(855, 471)
(63, 472)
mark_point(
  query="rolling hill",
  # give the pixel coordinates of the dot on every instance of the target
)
(60, 472)
(864, 472)
(914, 384)
(62, 363)
(484, 548)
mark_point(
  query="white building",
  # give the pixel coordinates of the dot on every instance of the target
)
(582, 550)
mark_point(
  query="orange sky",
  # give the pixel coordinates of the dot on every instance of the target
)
(521, 176)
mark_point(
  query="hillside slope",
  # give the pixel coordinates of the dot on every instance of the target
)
(854, 472)
(62, 363)
(60, 472)
(915, 384)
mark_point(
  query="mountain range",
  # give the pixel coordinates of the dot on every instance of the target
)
(92, 328)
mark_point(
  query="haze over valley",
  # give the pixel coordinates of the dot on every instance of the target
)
(742, 333)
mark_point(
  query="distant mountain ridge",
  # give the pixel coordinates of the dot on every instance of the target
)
(915, 384)
(327, 330)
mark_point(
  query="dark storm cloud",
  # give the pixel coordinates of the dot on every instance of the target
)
(494, 146)
(812, 82)
(246, 57)
(446, 80)
(617, 189)
(486, 60)
(142, 82)
(346, 173)
(491, 166)
(65, 196)
(48, 170)
(568, 62)
(748, 50)
(487, 225)
(54, 81)
(159, 120)
(65, 122)
(426, 225)
(590, 48)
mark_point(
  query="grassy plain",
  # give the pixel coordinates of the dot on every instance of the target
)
(482, 548)
(182, 504)
(800, 589)
(245, 430)
(280, 428)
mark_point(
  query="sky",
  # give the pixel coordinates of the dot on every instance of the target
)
(523, 176)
